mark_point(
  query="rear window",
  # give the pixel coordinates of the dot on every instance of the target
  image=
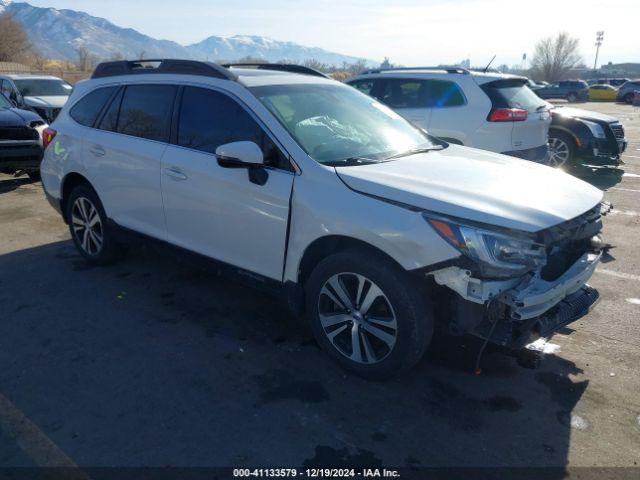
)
(512, 94)
(86, 111)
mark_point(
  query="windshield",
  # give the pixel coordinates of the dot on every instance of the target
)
(338, 125)
(33, 87)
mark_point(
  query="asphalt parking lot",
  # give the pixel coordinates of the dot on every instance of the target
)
(155, 362)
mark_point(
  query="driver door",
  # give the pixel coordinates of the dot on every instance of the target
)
(219, 211)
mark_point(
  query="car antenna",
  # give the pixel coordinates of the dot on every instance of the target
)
(488, 64)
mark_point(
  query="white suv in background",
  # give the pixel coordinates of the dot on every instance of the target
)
(491, 111)
(372, 228)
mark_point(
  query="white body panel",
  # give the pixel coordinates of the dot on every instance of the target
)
(218, 212)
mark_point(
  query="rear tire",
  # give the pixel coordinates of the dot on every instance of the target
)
(562, 149)
(628, 98)
(368, 314)
(88, 226)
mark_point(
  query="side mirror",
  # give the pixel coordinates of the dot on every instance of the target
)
(240, 155)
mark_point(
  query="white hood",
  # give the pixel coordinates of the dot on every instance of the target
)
(477, 185)
(57, 101)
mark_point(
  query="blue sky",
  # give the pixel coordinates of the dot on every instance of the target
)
(410, 32)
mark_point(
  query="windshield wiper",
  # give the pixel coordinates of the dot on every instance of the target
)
(414, 151)
(351, 161)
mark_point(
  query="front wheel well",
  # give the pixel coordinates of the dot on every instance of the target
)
(322, 247)
(71, 181)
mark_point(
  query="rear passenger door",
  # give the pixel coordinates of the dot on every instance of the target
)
(123, 156)
(220, 212)
(408, 97)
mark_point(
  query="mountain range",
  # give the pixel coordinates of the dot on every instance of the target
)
(58, 33)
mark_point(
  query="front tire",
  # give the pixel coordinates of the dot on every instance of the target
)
(88, 226)
(572, 97)
(368, 314)
(562, 149)
(628, 98)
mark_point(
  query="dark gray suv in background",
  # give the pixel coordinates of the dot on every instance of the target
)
(627, 91)
(571, 90)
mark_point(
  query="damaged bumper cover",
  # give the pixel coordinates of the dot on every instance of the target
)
(525, 307)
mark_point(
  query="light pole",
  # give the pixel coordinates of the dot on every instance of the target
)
(599, 37)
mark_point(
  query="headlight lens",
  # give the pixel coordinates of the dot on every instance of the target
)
(503, 254)
(596, 130)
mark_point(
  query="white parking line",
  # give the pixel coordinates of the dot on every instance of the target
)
(634, 175)
(624, 189)
(613, 273)
(634, 301)
(628, 213)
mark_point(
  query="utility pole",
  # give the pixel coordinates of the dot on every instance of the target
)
(599, 37)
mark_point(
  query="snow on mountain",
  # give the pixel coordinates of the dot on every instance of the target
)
(59, 33)
(239, 46)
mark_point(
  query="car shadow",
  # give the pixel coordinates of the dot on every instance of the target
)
(9, 184)
(153, 361)
(600, 176)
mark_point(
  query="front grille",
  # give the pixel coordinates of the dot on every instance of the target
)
(18, 133)
(618, 131)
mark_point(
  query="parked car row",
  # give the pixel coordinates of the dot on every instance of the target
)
(373, 229)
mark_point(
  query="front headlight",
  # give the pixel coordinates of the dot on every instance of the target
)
(497, 254)
(596, 129)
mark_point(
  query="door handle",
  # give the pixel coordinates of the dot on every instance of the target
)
(98, 150)
(175, 173)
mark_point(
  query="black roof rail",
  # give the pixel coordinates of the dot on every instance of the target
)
(280, 67)
(446, 68)
(163, 65)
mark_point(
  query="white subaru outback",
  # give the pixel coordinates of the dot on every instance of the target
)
(373, 229)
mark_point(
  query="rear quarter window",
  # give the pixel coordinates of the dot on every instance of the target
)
(86, 111)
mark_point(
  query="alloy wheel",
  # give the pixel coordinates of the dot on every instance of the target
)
(559, 152)
(357, 318)
(87, 226)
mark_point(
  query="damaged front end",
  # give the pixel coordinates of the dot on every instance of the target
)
(513, 297)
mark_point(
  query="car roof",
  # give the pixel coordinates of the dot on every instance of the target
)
(28, 76)
(251, 77)
(428, 72)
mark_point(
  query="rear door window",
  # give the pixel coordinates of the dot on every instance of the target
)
(209, 119)
(401, 93)
(145, 111)
(512, 94)
(365, 86)
(86, 111)
(442, 94)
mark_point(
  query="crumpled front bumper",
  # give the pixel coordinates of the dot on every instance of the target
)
(535, 296)
(515, 313)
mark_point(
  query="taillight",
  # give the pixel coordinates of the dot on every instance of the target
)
(47, 136)
(508, 115)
